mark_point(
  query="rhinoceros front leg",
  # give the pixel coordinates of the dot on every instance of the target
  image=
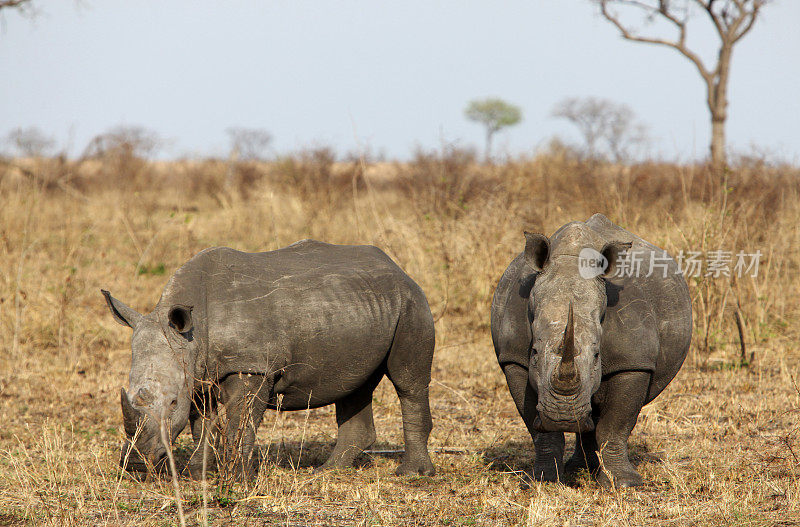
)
(585, 454)
(549, 462)
(548, 446)
(621, 403)
(203, 423)
(245, 397)
(524, 396)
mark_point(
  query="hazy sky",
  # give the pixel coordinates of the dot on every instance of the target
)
(387, 75)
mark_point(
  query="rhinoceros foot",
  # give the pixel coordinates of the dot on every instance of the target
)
(584, 457)
(194, 469)
(421, 467)
(547, 472)
(619, 479)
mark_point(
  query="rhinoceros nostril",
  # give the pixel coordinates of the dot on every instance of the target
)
(143, 397)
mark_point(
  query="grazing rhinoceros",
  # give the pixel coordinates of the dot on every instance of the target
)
(315, 323)
(583, 350)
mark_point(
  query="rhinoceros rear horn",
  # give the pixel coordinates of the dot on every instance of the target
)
(122, 313)
(130, 415)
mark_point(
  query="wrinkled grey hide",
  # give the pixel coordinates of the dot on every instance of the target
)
(314, 323)
(584, 355)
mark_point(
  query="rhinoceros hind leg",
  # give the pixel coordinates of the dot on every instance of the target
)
(417, 427)
(408, 366)
(625, 395)
(356, 427)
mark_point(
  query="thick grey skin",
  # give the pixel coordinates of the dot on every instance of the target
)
(631, 337)
(314, 323)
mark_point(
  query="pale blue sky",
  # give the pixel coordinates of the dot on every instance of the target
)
(390, 75)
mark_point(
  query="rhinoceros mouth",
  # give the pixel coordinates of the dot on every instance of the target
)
(132, 461)
(559, 423)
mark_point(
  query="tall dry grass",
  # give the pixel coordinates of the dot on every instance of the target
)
(719, 447)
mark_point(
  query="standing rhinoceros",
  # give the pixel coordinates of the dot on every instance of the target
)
(583, 351)
(315, 323)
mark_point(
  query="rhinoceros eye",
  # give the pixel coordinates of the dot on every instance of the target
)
(534, 352)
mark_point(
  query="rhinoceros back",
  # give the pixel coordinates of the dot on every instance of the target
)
(322, 316)
(660, 301)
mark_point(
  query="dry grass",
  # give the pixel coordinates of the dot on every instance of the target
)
(719, 447)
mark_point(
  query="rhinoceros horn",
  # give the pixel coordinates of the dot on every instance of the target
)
(566, 379)
(130, 415)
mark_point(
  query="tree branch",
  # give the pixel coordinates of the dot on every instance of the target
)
(753, 15)
(679, 45)
(708, 7)
(728, 25)
(663, 10)
(12, 3)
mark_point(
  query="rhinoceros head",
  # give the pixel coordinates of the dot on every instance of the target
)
(567, 311)
(160, 380)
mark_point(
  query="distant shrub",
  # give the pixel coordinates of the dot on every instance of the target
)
(316, 177)
(120, 158)
(445, 182)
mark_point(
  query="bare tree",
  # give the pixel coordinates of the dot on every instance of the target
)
(124, 155)
(624, 133)
(30, 142)
(249, 143)
(21, 5)
(494, 114)
(588, 115)
(25, 8)
(126, 142)
(731, 19)
(609, 129)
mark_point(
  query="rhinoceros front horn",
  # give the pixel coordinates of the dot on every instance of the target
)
(130, 415)
(566, 379)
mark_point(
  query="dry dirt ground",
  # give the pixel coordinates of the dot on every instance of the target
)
(721, 446)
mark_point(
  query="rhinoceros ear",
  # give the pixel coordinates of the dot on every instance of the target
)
(613, 252)
(180, 318)
(537, 250)
(122, 313)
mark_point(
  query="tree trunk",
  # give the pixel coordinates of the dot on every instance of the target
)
(488, 152)
(718, 160)
(718, 106)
